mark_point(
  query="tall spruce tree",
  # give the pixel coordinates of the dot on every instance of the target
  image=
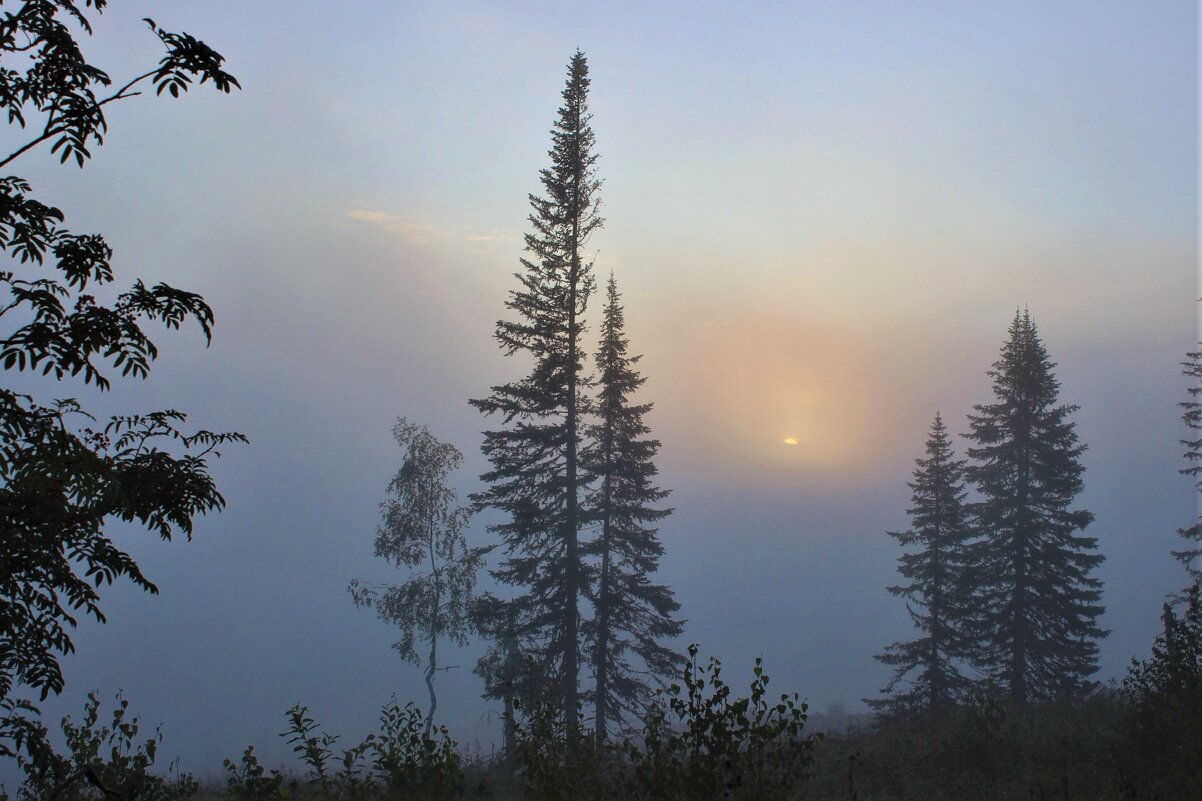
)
(1036, 601)
(1191, 556)
(633, 614)
(940, 533)
(536, 479)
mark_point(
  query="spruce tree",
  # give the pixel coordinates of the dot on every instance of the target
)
(633, 614)
(1035, 599)
(939, 531)
(1191, 557)
(536, 480)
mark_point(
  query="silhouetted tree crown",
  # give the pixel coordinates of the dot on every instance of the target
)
(928, 676)
(536, 480)
(633, 613)
(65, 476)
(1036, 600)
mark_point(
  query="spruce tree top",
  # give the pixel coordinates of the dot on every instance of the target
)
(1022, 376)
(618, 378)
(556, 281)
(938, 490)
(570, 182)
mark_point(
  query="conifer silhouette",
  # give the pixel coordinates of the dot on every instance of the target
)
(934, 597)
(632, 612)
(536, 480)
(1036, 601)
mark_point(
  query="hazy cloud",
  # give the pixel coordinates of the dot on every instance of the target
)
(420, 233)
(415, 232)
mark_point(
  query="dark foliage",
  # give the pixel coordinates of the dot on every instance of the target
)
(1036, 601)
(102, 762)
(536, 478)
(699, 743)
(63, 476)
(1164, 734)
(1191, 556)
(632, 613)
(62, 97)
(935, 595)
(510, 676)
(398, 761)
(247, 779)
(556, 758)
(980, 750)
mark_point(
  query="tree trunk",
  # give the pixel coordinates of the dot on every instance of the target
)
(1019, 621)
(603, 590)
(571, 656)
(433, 663)
(571, 659)
(602, 646)
(430, 686)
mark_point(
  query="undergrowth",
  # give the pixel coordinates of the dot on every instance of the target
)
(699, 741)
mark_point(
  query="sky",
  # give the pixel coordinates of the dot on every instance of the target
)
(822, 218)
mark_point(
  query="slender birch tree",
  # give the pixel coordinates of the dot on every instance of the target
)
(423, 530)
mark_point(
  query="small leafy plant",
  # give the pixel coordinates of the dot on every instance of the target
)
(399, 761)
(247, 780)
(407, 763)
(102, 762)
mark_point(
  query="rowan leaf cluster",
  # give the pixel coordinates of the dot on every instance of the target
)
(64, 475)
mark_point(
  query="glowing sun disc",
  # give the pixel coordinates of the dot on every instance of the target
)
(790, 441)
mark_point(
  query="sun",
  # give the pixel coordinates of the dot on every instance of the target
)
(790, 440)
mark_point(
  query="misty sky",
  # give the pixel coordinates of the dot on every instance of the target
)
(822, 219)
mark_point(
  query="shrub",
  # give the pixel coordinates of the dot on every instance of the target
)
(410, 765)
(397, 762)
(557, 761)
(247, 781)
(699, 744)
(102, 762)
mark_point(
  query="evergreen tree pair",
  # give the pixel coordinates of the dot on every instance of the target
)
(562, 464)
(1003, 583)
